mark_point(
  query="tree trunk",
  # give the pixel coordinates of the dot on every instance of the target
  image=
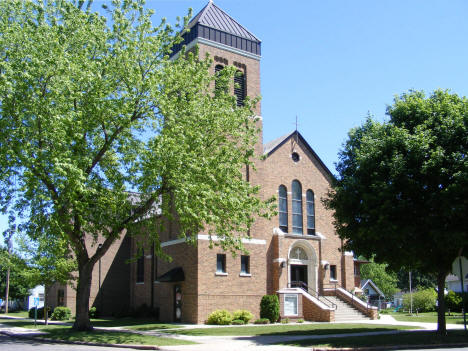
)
(82, 322)
(46, 320)
(441, 327)
(7, 290)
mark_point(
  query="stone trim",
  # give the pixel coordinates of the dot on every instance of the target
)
(244, 240)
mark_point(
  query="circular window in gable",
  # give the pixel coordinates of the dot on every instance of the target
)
(295, 157)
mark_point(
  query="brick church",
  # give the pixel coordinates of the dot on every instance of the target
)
(296, 255)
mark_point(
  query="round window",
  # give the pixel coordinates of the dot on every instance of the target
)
(295, 157)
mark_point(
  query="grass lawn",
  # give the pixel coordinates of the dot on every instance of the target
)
(23, 314)
(61, 332)
(289, 329)
(132, 323)
(405, 338)
(427, 317)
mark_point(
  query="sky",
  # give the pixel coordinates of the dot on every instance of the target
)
(331, 63)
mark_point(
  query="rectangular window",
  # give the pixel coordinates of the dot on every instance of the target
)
(60, 297)
(41, 297)
(220, 263)
(333, 272)
(290, 305)
(245, 264)
(140, 276)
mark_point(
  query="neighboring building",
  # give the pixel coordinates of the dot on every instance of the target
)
(374, 295)
(296, 255)
(453, 283)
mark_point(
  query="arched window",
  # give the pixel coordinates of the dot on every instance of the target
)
(218, 85)
(283, 208)
(239, 88)
(310, 212)
(296, 207)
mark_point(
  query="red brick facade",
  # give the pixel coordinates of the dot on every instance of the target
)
(272, 253)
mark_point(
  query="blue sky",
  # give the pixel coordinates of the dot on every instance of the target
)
(331, 62)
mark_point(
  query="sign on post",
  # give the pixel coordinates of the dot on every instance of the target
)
(35, 301)
(460, 269)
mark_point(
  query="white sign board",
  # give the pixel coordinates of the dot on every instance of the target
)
(290, 305)
(456, 266)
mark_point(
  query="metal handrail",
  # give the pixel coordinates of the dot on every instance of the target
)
(306, 288)
(352, 294)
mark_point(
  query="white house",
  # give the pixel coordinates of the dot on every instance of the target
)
(453, 283)
(36, 292)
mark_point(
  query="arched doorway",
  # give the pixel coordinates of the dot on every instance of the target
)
(302, 266)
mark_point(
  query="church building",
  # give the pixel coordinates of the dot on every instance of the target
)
(296, 255)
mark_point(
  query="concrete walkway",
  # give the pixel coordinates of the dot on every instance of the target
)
(250, 343)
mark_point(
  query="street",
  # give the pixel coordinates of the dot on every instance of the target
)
(13, 344)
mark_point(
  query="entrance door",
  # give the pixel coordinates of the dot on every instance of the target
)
(299, 276)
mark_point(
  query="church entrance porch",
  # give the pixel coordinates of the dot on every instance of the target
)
(299, 276)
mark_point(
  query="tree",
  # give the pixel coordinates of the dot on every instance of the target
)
(402, 187)
(49, 262)
(418, 280)
(93, 108)
(19, 286)
(386, 281)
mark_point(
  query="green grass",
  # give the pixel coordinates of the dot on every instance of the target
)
(405, 338)
(23, 314)
(61, 332)
(427, 317)
(289, 329)
(132, 323)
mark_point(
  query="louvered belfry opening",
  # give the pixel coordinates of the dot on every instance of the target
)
(218, 86)
(239, 88)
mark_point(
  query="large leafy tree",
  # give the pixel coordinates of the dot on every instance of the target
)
(379, 274)
(92, 107)
(402, 187)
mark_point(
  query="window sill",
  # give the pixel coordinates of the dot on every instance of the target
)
(140, 283)
(245, 275)
(334, 280)
(221, 273)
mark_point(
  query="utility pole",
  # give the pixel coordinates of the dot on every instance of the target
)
(8, 242)
(411, 294)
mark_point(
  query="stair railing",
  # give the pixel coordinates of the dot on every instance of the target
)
(306, 288)
(353, 296)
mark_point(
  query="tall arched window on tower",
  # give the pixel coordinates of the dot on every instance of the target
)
(283, 208)
(310, 212)
(296, 207)
(239, 88)
(218, 85)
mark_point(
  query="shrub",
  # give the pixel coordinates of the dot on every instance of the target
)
(262, 321)
(219, 317)
(285, 320)
(423, 300)
(93, 312)
(269, 308)
(238, 322)
(453, 301)
(300, 320)
(384, 312)
(243, 315)
(40, 312)
(61, 314)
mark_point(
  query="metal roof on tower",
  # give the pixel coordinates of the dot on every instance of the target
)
(215, 25)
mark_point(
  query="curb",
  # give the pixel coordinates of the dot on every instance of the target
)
(86, 343)
(385, 348)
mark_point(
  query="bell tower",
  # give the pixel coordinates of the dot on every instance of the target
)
(228, 43)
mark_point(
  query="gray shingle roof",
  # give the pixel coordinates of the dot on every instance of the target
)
(212, 16)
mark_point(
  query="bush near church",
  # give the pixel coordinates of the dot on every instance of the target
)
(220, 317)
(423, 300)
(454, 301)
(269, 308)
(40, 312)
(243, 315)
(61, 314)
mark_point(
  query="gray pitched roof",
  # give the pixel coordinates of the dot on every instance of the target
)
(212, 16)
(375, 287)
